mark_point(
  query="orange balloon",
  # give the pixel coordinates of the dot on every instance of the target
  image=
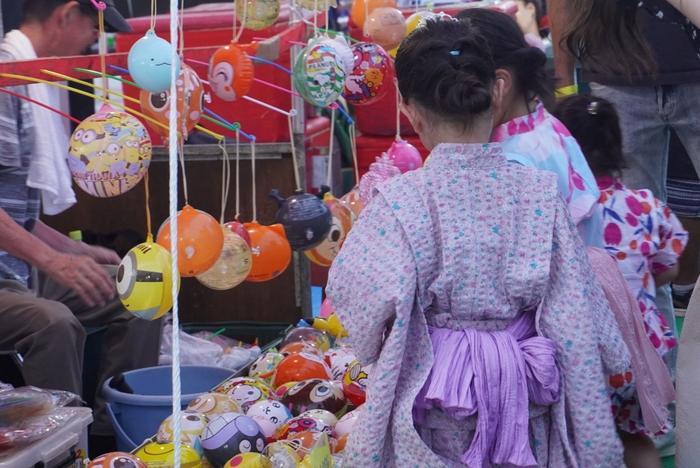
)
(343, 219)
(352, 198)
(230, 72)
(357, 13)
(303, 442)
(387, 27)
(200, 241)
(302, 366)
(297, 347)
(342, 442)
(271, 251)
(190, 103)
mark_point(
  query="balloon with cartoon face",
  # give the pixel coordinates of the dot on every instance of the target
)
(150, 63)
(264, 367)
(300, 347)
(230, 72)
(347, 422)
(371, 75)
(354, 201)
(273, 411)
(192, 425)
(340, 365)
(301, 424)
(319, 74)
(190, 103)
(304, 442)
(315, 394)
(246, 391)
(230, 434)
(343, 219)
(323, 415)
(210, 404)
(308, 335)
(299, 367)
(117, 460)
(355, 382)
(109, 153)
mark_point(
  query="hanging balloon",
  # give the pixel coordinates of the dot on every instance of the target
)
(257, 14)
(144, 281)
(405, 156)
(318, 74)
(110, 152)
(372, 73)
(326, 252)
(318, 5)
(306, 219)
(386, 26)
(150, 63)
(271, 251)
(233, 265)
(200, 241)
(190, 103)
(415, 21)
(239, 229)
(340, 44)
(354, 201)
(230, 72)
(357, 13)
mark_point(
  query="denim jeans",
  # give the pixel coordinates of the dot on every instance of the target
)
(647, 114)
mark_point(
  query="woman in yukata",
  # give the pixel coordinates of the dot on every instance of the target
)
(467, 286)
(528, 133)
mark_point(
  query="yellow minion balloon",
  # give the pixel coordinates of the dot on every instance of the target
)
(144, 280)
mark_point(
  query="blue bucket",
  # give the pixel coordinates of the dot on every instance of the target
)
(137, 417)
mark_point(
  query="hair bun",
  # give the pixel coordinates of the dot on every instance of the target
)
(462, 92)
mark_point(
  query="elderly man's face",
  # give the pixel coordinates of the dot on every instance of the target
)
(82, 32)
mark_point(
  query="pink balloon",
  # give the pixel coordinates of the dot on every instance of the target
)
(405, 156)
(326, 309)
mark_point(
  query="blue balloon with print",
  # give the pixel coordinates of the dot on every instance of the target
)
(150, 63)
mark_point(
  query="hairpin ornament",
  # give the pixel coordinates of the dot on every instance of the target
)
(454, 52)
(593, 108)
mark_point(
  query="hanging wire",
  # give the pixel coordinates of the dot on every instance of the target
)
(103, 52)
(245, 18)
(353, 146)
(238, 174)
(148, 207)
(398, 111)
(329, 177)
(294, 153)
(225, 179)
(154, 13)
(252, 163)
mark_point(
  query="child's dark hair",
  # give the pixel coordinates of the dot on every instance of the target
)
(527, 64)
(446, 68)
(594, 123)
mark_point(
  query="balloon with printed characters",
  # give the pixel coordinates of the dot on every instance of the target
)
(355, 382)
(189, 103)
(246, 391)
(297, 347)
(117, 460)
(163, 455)
(354, 201)
(315, 394)
(308, 335)
(405, 156)
(264, 367)
(305, 218)
(192, 425)
(109, 153)
(301, 424)
(249, 460)
(299, 367)
(257, 14)
(371, 76)
(230, 434)
(233, 265)
(211, 404)
(386, 26)
(144, 281)
(230, 72)
(319, 75)
(150, 63)
(324, 415)
(343, 219)
(273, 411)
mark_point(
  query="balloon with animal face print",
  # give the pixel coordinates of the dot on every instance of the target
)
(343, 219)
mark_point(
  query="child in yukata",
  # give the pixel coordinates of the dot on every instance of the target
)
(528, 133)
(467, 286)
(645, 238)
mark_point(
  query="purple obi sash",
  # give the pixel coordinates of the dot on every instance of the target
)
(493, 374)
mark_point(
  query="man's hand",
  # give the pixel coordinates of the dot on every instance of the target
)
(83, 275)
(101, 255)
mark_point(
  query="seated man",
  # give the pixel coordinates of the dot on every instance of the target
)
(51, 286)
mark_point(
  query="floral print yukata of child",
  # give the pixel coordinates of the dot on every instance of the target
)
(646, 239)
(540, 140)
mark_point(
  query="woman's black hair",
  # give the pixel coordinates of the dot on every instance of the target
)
(595, 124)
(527, 64)
(447, 69)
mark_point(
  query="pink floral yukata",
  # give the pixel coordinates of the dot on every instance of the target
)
(645, 238)
(540, 140)
(472, 243)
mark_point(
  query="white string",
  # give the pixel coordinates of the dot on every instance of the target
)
(173, 160)
(235, 20)
(329, 177)
(154, 12)
(365, 25)
(353, 146)
(238, 175)
(294, 154)
(245, 18)
(252, 163)
(398, 112)
(184, 174)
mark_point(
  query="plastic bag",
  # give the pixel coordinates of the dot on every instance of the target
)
(193, 350)
(18, 404)
(34, 428)
(239, 358)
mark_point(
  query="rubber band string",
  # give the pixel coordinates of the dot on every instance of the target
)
(148, 207)
(294, 153)
(225, 179)
(245, 18)
(173, 162)
(238, 174)
(154, 13)
(329, 177)
(252, 163)
(353, 146)
(103, 52)
(365, 27)
(398, 111)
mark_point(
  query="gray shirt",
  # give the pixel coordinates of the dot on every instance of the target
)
(21, 202)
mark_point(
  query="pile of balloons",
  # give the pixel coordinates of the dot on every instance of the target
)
(307, 394)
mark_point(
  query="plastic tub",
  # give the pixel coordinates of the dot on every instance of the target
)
(137, 416)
